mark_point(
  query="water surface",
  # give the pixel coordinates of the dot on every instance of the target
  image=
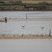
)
(26, 22)
(25, 45)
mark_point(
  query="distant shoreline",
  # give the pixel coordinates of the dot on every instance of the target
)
(23, 11)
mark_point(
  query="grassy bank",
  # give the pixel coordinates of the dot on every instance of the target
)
(19, 6)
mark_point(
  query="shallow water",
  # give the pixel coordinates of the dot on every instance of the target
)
(26, 22)
(23, 45)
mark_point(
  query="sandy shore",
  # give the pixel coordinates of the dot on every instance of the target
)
(25, 37)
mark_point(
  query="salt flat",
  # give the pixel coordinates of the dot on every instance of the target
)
(25, 45)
